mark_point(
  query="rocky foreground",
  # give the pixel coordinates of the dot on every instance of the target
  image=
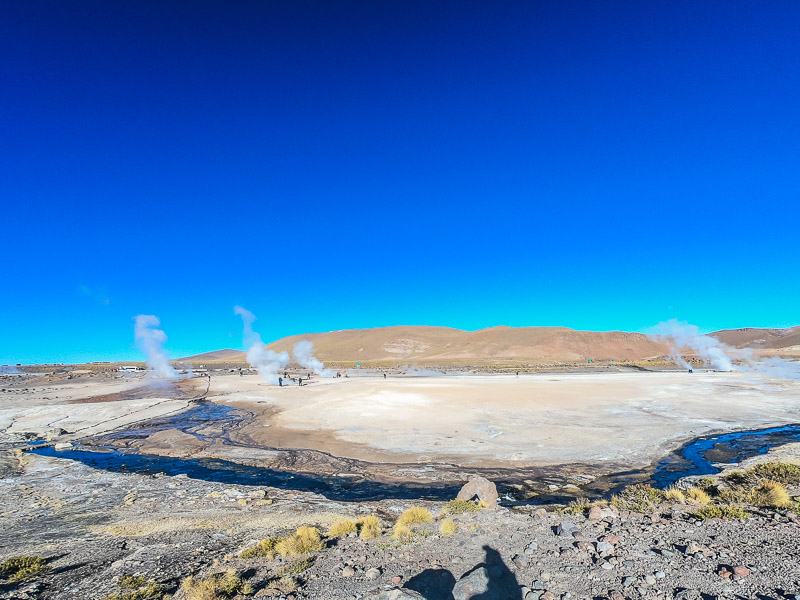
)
(101, 535)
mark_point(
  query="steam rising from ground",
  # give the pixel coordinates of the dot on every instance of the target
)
(268, 362)
(150, 341)
(304, 355)
(681, 335)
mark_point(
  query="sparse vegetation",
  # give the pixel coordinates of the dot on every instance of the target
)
(697, 495)
(285, 585)
(579, 506)
(304, 540)
(264, 548)
(403, 534)
(707, 484)
(770, 494)
(369, 527)
(638, 498)
(674, 494)
(22, 568)
(734, 494)
(296, 567)
(136, 587)
(456, 507)
(342, 528)
(448, 527)
(218, 586)
(721, 512)
(414, 516)
(784, 473)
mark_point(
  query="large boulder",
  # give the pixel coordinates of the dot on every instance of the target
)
(473, 585)
(491, 582)
(480, 488)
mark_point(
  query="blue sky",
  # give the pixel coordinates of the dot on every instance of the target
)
(359, 164)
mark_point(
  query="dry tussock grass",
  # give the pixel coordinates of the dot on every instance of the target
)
(369, 527)
(415, 515)
(304, 540)
(342, 528)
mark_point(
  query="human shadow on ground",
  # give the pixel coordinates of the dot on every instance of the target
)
(494, 582)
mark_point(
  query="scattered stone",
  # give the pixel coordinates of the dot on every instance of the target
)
(397, 594)
(741, 571)
(566, 529)
(604, 548)
(373, 573)
(348, 571)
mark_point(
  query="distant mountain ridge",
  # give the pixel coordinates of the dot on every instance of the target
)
(409, 343)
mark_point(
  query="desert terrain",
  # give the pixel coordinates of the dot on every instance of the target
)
(125, 488)
(534, 347)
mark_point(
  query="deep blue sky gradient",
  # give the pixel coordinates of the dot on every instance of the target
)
(334, 165)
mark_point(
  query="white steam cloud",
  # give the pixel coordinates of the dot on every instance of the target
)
(304, 355)
(150, 341)
(268, 362)
(680, 335)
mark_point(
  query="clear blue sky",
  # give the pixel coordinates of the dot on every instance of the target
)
(330, 165)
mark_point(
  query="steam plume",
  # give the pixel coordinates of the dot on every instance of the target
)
(679, 334)
(304, 355)
(268, 362)
(150, 341)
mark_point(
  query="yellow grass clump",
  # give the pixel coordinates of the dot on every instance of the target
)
(403, 533)
(638, 498)
(696, 495)
(456, 507)
(674, 494)
(304, 540)
(448, 527)
(342, 528)
(219, 586)
(414, 516)
(369, 527)
(265, 548)
(770, 494)
(22, 568)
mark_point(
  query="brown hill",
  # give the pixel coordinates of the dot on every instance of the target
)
(410, 344)
(751, 337)
(430, 344)
(226, 355)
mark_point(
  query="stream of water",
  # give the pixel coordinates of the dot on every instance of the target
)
(207, 419)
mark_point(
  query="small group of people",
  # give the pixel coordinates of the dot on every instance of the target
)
(286, 377)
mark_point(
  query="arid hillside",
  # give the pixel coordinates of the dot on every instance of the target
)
(417, 343)
(532, 344)
(750, 337)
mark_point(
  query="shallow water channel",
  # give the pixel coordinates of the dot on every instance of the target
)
(209, 420)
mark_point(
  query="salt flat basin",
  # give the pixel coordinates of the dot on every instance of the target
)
(628, 418)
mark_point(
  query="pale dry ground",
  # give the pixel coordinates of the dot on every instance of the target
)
(494, 420)
(39, 406)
